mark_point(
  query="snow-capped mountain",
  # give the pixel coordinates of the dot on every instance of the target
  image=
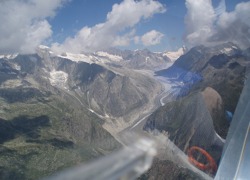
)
(145, 59)
(8, 56)
(95, 80)
(219, 66)
(174, 55)
(138, 59)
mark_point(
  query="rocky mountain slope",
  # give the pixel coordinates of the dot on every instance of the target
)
(221, 68)
(174, 55)
(117, 94)
(213, 79)
(54, 109)
(212, 66)
(141, 59)
(44, 128)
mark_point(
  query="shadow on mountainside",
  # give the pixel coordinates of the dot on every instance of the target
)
(22, 125)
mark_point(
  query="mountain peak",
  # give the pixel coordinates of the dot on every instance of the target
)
(174, 55)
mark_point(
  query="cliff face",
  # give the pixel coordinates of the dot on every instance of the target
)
(226, 75)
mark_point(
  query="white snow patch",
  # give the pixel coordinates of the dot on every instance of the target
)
(100, 116)
(58, 79)
(228, 50)
(77, 57)
(106, 115)
(43, 47)
(91, 110)
(17, 67)
(109, 56)
(140, 121)
(12, 83)
(174, 55)
(9, 56)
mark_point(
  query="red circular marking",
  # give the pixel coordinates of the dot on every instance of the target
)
(211, 165)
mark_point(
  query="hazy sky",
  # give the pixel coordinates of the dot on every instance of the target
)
(91, 25)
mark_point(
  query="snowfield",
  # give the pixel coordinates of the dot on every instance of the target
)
(174, 55)
(78, 57)
(109, 56)
(58, 79)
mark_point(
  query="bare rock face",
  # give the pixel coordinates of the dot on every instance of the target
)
(226, 75)
(216, 108)
(141, 59)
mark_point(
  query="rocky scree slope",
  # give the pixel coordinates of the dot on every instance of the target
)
(43, 128)
(116, 94)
